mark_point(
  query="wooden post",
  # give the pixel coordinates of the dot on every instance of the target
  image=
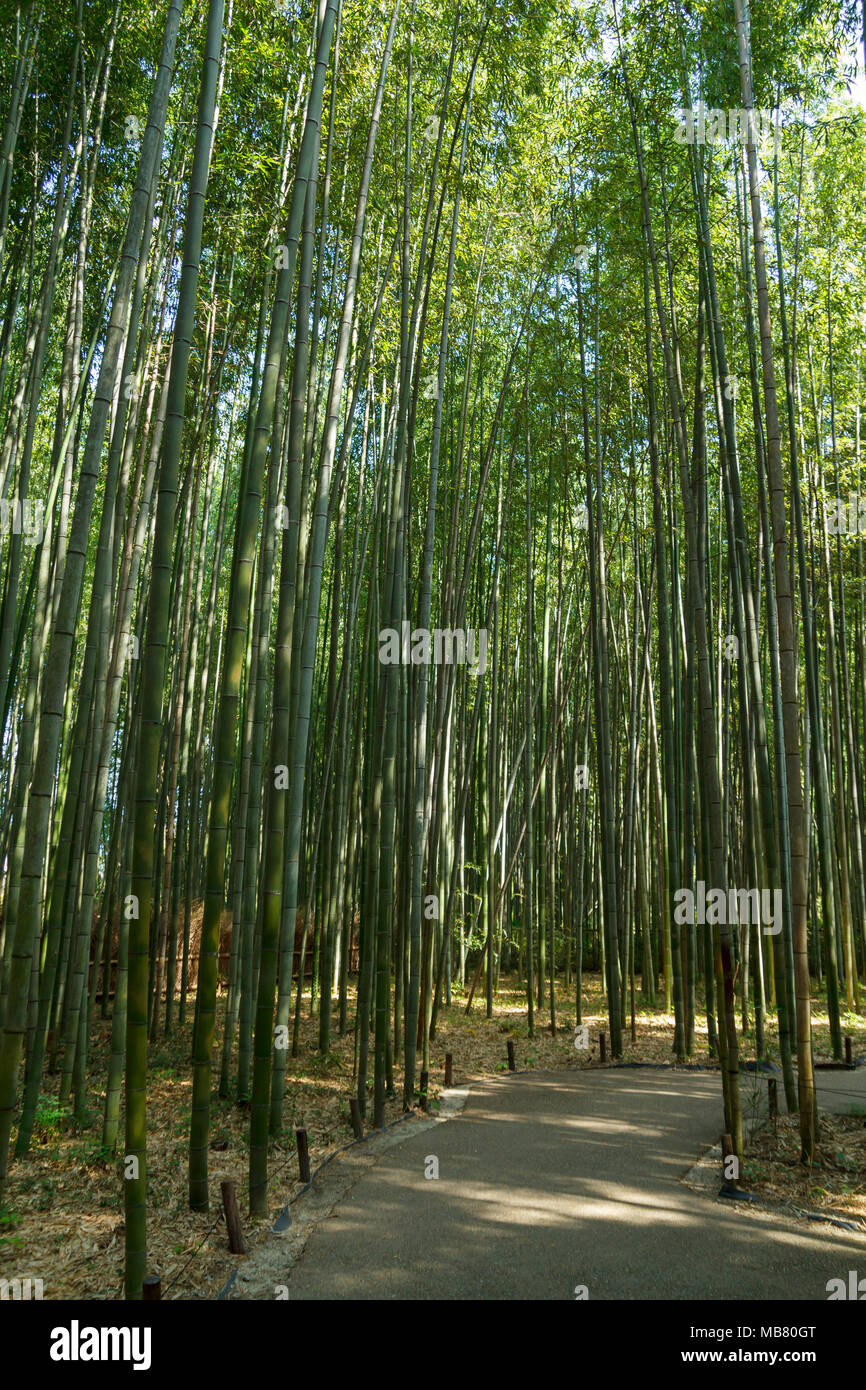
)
(237, 1244)
(849, 1053)
(774, 1099)
(151, 1288)
(355, 1109)
(602, 1046)
(303, 1154)
(423, 1086)
(449, 1072)
(510, 1046)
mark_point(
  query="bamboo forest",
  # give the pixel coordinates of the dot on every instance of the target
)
(432, 652)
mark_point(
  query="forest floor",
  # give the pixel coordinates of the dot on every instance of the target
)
(63, 1221)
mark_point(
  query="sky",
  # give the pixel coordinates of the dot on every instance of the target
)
(858, 88)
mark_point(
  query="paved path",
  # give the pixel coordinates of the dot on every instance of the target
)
(841, 1092)
(551, 1180)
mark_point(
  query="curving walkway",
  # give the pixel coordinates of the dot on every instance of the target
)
(551, 1180)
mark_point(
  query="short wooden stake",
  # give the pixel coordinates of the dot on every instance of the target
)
(303, 1154)
(423, 1086)
(151, 1288)
(449, 1069)
(355, 1110)
(849, 1052)
(602, 1046)
(510, 1046)
(774, 1099)
(237, 1244)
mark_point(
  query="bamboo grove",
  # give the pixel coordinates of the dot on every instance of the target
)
(432, 539)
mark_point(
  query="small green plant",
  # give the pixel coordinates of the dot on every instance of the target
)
(93, 1154)
(10, 1219)
(51, 1118)
(45, 1194)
